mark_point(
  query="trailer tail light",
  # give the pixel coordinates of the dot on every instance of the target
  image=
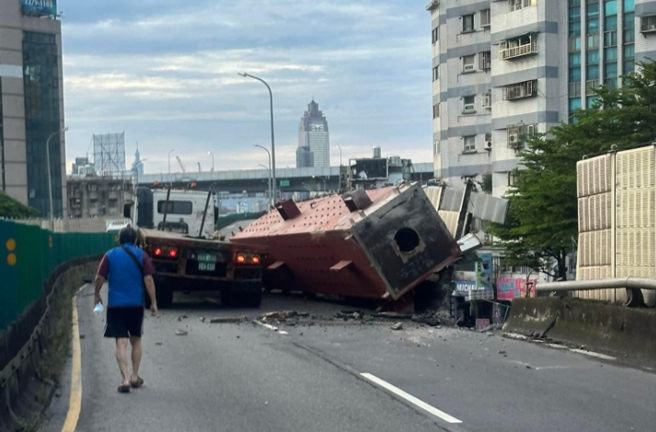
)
(173, 253)
(158, 252)
(255, 259)
(241, 259)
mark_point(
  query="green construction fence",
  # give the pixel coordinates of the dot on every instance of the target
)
(30, 254)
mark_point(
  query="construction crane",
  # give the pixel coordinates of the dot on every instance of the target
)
(182, 167)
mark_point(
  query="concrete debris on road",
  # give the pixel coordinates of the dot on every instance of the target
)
(393, 315)
(158, 343)
(201, 319)
(228, 320)
(430, 320)
(279, 315)
(181, 332)
(397, 326)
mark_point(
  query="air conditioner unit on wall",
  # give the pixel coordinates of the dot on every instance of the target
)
(488, 145)
(530, 129)
(513, 140)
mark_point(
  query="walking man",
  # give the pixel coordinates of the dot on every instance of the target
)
(127, 269)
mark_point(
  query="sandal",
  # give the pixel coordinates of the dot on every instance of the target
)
(138, 383)
(124, 388)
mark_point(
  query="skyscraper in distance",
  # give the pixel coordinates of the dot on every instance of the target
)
(313, 139)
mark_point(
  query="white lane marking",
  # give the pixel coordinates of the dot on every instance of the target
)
(265, 325)
(593, 354)
(282, 332)
(421, 404)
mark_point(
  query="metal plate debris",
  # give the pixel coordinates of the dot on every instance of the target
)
(380, 247)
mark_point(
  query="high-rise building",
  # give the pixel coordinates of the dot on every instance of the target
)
(32, 104)
(313, 136)
(503, 70)
(304, 157)
(138, 165)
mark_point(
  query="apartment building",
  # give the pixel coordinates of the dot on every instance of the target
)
(505, 69)
(98, 196)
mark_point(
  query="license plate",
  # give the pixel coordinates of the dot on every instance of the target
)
(206, 258)
(204, 266)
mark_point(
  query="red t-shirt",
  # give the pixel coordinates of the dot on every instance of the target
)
(148, 268)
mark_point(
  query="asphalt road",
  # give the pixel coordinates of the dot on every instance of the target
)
(309, 377)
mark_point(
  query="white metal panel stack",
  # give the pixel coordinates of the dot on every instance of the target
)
(636, 215)
(450, 218)
(594, 185)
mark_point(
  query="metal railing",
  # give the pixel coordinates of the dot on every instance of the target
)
(627, 282)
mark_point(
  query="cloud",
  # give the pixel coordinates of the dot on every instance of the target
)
(165, 72)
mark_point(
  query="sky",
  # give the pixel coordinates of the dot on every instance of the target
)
(165, 73)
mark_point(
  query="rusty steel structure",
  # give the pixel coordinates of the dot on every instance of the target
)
(376, 244)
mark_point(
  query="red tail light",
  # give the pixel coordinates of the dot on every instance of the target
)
(173, 253)
(158, 251)
(255, 260)
(241, 259)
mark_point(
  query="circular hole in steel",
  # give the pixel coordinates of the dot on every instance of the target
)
(407, 240)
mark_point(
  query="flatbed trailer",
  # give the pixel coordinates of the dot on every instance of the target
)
(185, 263)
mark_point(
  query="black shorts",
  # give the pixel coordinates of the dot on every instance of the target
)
(123, 322)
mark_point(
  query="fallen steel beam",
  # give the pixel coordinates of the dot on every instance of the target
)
(375, 244)
(627, 282)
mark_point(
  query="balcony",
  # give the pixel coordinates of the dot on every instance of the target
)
(519, 47)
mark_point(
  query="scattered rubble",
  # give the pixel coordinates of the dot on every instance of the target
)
(158, 343)
(201, 319)
(228, 320)
(393, 315)
(397, 326)
(429, 319)
(181, 332)
(279, 315)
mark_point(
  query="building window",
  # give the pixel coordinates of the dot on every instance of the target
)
(468, 63)
(469, 104)
(592, 72)
(610, 70)
(593, 25)
(436, 111)
(575, 59)
(485, 59)
(470, 144)
(521, 90)
(575, 13)
(435, 34)
(519, 46)
(485, 18)
(436, 148)
(610, 38)
(593, 42)
(593, 10)
(436, 73)
(629, 5)
(574, 104)
(591, 101)
(175, 207)
(593, 57)
(468, 23)
(610, 23)
(629, 28)
(574, 74)
(610, 7)
(575, 44)
(575, 89)
(648, 24)
(42, 117)
(521, 4)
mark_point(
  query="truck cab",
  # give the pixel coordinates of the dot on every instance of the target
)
(184, 211)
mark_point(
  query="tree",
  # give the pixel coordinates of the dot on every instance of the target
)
(543, 214)
(10, 208)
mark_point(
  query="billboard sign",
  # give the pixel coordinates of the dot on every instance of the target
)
(508, 289)
(470, 290)
(369, 169)
(39, 7)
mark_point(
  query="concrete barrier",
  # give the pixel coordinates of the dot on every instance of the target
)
(596, 325)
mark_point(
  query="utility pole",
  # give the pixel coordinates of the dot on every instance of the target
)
(52, 211)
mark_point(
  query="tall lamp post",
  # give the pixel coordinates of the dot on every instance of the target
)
(268, 178)
(272, 198)
(211, 154)
(51, 204)
(170, 178)
(340, 155)
(273, 145)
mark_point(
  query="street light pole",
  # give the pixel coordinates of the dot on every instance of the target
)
(340, 155)
(170, 179)
(273, 145)
(211, 154)
(271, 198)
(268, 178)
(51, 204)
